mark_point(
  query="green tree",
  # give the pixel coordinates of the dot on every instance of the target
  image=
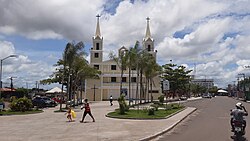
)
(21, 104)
(72, 69)
(121, 61)
(197, 89)
(151, 70)
(213, 89)
(132, 59)
(122, 104)
(177, 76)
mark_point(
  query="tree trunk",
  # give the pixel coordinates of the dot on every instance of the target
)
(129, 85)
(121, 79)
(137, 85)
(151, 87)
(141, 86)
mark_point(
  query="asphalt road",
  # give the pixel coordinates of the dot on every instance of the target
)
(210, 122)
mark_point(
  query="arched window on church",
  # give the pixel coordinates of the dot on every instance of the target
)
(149, 48)
(97, 46)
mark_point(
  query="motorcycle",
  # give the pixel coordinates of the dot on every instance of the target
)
(238, 130)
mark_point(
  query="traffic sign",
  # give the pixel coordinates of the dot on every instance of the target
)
(165, 85)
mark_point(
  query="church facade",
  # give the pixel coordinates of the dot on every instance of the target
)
(109, 82)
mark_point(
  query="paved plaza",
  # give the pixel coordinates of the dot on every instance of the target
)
(51, 126)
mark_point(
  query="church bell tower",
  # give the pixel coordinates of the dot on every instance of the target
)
(148, 41)
(96, 52)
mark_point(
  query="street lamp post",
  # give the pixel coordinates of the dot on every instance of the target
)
(1, 70)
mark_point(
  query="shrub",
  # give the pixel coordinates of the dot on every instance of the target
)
(161, 99)
(13, 98)
(123, 107)
(21, 104)
(155, 106)
(144, 109)
(151, 111)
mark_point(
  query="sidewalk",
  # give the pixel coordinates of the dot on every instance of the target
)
(52, 126)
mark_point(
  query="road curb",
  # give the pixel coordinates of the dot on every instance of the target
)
(167, 129)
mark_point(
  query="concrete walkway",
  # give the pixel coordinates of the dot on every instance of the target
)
(52, 126)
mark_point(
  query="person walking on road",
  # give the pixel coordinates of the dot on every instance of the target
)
(111, 100)
(86, 111)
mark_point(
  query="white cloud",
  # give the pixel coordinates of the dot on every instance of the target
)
(206, 44)
(71, 19)
(24, 69)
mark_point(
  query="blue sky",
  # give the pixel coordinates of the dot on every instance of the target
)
(212, 34)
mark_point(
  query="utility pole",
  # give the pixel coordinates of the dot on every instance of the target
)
(11, 83)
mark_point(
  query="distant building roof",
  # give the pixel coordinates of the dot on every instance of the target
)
(55, 90)
(6, 89)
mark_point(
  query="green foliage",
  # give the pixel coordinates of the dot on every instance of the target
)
(161, 99)
(155, 106)
(177, 76)
(151, 111)
(214, 90)
(73, 68)
(13, 98)
(123, 107)
(144, 109)
(21, 104)
(22, 90)
(197, 89)
(141, 114)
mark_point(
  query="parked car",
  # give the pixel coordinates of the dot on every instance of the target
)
(43, 102)
(206, 95)
(51, 103)
(39, 102)
(183, 98)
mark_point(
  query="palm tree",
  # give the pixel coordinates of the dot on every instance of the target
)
(122, 62)
(71, 52)
(152, 69)
(72, 69)
(132, 64)
(82, 71)
(141, 66)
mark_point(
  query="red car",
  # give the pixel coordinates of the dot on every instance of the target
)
(58, 100)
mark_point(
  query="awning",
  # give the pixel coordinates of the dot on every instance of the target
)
(222, 91)
(55, 90)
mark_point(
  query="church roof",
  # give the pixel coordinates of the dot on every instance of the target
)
(98, 31)
(148, 33)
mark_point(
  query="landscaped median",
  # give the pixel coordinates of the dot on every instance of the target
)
(151, 112)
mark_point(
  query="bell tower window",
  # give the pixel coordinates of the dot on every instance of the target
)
(113, 67)
(97, 46)
(96, 55)
(149, 48)
(96, 67)
(113, 79)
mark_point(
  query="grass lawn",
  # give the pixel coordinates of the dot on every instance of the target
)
(143, 114)
(9, 112)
